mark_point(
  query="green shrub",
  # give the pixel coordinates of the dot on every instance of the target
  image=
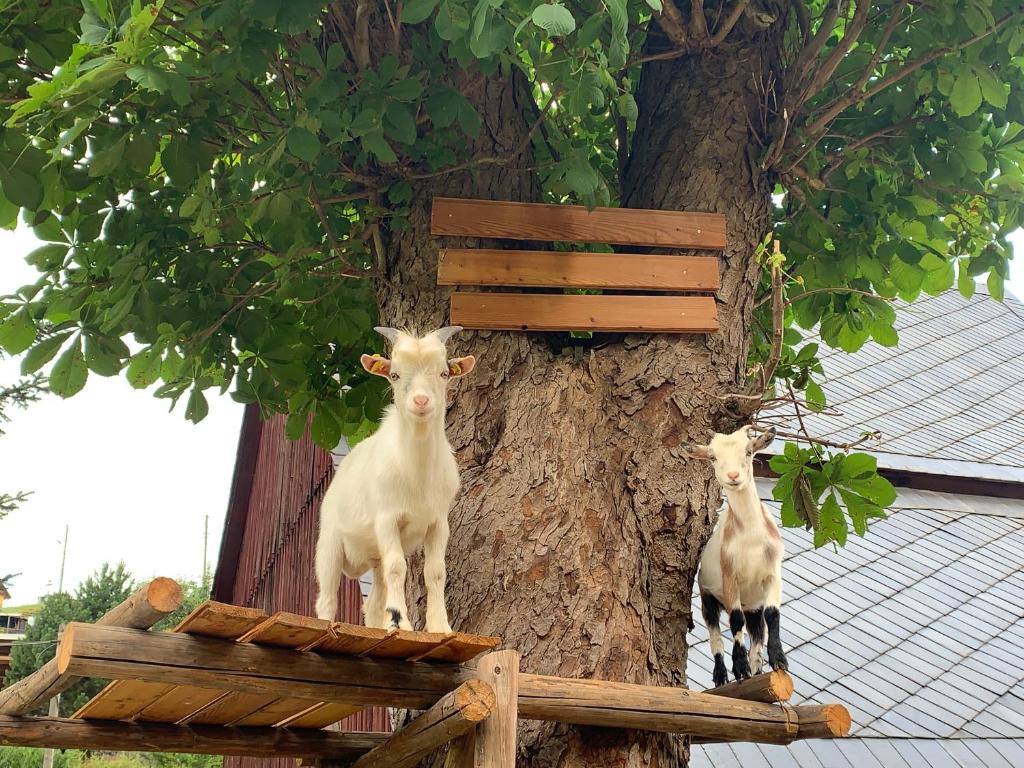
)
(31, 757)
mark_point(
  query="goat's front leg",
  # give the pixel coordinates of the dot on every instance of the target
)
(711, 610)
(740, 661)
(434, 575)
(755, 626)
(776, 656)
(392, 563)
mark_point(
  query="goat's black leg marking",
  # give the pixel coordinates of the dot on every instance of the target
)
(740, 662)
(711, 609)
(396, 618)
(756, 627)
(776, 656)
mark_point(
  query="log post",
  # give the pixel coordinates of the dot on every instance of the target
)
(495, 742)
(462, 752)
(150, 603)
(106, 735)
(453, 716)
(768, 688)
(174, 658)
(673, 710)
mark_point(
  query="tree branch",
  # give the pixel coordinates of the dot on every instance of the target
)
(673, 24)
(698, 24)
(730, 21)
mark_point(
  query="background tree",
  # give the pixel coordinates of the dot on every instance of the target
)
(241, 185)
(17, 395)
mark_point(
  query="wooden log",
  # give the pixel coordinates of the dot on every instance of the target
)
(451, 717)
(575, 269)
(769, 688)
(584, 312)
(462, 752)
(825, 721)
(150, 603)
(574, 223)
(177, 659)
(672, 710)
(495, 743)
(63, 733)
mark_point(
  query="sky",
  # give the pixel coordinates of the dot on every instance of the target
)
(132, 482)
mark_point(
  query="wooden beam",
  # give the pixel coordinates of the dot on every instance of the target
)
(586, 312)
(106, 735)
(673, 710)
(150, 603)
(451, 717)
(462, 752)
(495, 743)
(769, 688)
(176, 659)
(574, 269)
(574, 223)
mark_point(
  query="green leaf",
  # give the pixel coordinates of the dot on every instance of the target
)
(303, 143)
(815, 396)
(70, 372)
(20, 187)
(965, 281)
(105, 354)
(452, 21)
(965, 97)
(107, 159)
(43, 352)
(162, 81)
(325, 429)
(875, 488)
(859, 465)
(417, 10)
(17, 332)
(406, 90)
(995, 285)
(628, 109)
(832, 526)
(197, 407)
(378, 145)
(555, 19)
(884, 334)
(656, 5)
(144, 369)
(48, 257)
(399, 123)
(181, 161)
(991, 87)
(939, 280)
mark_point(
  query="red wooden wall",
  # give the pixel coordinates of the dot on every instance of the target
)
(266, 558)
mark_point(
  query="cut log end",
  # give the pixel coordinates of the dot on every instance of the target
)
(838, 720)
(768, 688)
(164, 594)
(780, 685)
(64, 649)
(475, 699)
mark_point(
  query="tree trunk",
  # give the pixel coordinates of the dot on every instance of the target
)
(578, 529)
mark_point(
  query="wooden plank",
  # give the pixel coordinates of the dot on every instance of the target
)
(176, 703)
(277, 711)
(574, 223)
(561, 312)
(573, 269)
(63, 733)
(209, 619)
(322, 715)
(769, 688)
(143, 608)
(171, 658)
(495, 741)
(228, 708)
(453, 716)
(351, 639)
(287, 630)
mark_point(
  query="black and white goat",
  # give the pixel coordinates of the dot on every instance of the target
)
(741, 568)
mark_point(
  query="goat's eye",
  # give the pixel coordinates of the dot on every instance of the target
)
(394, 377)
(445, 374)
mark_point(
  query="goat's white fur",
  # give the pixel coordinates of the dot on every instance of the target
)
(392, 493)
(741, 567)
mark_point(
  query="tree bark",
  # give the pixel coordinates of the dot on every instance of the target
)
(578, 529)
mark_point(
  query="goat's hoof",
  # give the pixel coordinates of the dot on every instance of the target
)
(720, 676)
(397, 621)
(779, 665)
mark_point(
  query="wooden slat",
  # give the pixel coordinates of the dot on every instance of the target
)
(276, 712)
(124, 699)
(229, 708)
(287, 630)
(561, 312)
(322, 715)
(574, 223)
(572, 269)
(176, 703)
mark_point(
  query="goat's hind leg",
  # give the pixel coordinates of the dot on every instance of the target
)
(711, 609)
(374, 614)
(776, 656)
(394, 567)
(329, 564)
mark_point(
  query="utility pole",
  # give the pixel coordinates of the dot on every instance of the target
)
(55, 701)
(206, 539)
(63, 559)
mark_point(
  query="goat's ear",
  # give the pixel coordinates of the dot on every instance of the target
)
(460, 366)
(377, 365)
(763, 440)
(695, 451)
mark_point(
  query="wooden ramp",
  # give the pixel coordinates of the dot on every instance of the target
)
(188, 704)
(235, 681)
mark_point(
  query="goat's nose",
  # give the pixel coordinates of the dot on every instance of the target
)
(422, 401)
(733, 475)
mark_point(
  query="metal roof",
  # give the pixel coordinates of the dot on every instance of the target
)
(949, 399)
(916, 628)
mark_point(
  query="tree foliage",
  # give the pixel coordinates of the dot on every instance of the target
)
(16, 395)
(217, 183)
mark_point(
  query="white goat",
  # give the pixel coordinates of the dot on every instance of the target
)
(741, 568)
(392, 493)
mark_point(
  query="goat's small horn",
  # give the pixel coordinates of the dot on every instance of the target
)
(443, 334)
(391, 334)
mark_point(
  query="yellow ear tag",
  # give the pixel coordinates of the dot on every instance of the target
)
(454, 369)
(378, 364)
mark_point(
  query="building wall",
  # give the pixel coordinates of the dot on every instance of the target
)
(270, 536)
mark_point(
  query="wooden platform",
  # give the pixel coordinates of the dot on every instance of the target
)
(196, 705)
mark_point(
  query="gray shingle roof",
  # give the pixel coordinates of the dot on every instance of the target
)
(949, 398)
(916, 628)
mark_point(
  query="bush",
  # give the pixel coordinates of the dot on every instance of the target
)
(31, 757)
